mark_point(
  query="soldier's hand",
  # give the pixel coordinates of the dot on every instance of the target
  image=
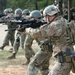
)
(22, 29)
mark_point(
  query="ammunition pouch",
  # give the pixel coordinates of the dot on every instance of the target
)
(60, 57)
(46, 46)
(67, 58)
(64, 57)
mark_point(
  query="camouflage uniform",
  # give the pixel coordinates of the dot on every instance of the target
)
(19, 36)
(10, 34)
(20, 40)
(28, 50)
(41, 59)
(25, 14)
(28, 41)
(62, 39)
(59, 40)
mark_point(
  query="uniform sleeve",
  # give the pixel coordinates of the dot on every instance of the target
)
(53, 29)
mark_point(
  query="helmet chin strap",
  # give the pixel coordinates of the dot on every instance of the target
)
(52, 20)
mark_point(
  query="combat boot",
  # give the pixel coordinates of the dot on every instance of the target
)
(2, 47)
(12, 56)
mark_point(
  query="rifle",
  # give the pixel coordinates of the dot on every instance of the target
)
(2, 15)
(26, 24)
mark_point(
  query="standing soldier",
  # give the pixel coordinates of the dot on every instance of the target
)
(18, 35)
(28, 41)
(25, 15)
(40, 60)
(10, 34)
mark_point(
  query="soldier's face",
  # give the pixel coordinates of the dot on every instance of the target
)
(49, 18)
(24, 15)
(17, 15)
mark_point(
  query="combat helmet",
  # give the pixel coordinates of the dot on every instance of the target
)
(35, 14)
(26, 11)
(50, 10)
(18, 11)
(8, 10)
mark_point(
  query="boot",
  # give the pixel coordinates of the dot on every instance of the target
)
(12, 56)
(2, 47)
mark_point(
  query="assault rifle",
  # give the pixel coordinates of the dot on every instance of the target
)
(26, 24)
(2, 15)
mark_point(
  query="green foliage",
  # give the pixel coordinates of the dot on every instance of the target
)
(30, 4)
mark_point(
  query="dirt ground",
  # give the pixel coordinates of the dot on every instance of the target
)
(14, 66)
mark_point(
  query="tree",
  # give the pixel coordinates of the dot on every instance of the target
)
(2, 5)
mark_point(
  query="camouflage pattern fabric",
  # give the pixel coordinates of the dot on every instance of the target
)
(61, 69)
(39, 62)
(10, 34)
(58, 35)
(56, 31)
(28, 50)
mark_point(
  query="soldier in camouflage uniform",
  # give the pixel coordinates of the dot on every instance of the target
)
(28, 41)
(10, 34)
(61, 38)
(19, 36)
(40, 60)
(25, 15)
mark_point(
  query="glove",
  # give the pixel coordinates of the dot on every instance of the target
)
(21, 29)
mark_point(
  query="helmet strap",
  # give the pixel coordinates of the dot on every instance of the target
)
(52, 19)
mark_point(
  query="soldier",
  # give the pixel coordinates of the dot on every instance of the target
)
(18, 35)
(40, 60)
(61, 38)
(26, 13)
(10, 34)
(28, 41)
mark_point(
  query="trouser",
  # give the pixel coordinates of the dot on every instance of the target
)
(41, 60)
(18, 40)
(64, 64)
(61, 69)
(9, 37)
(27, 47)
(22, 40)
